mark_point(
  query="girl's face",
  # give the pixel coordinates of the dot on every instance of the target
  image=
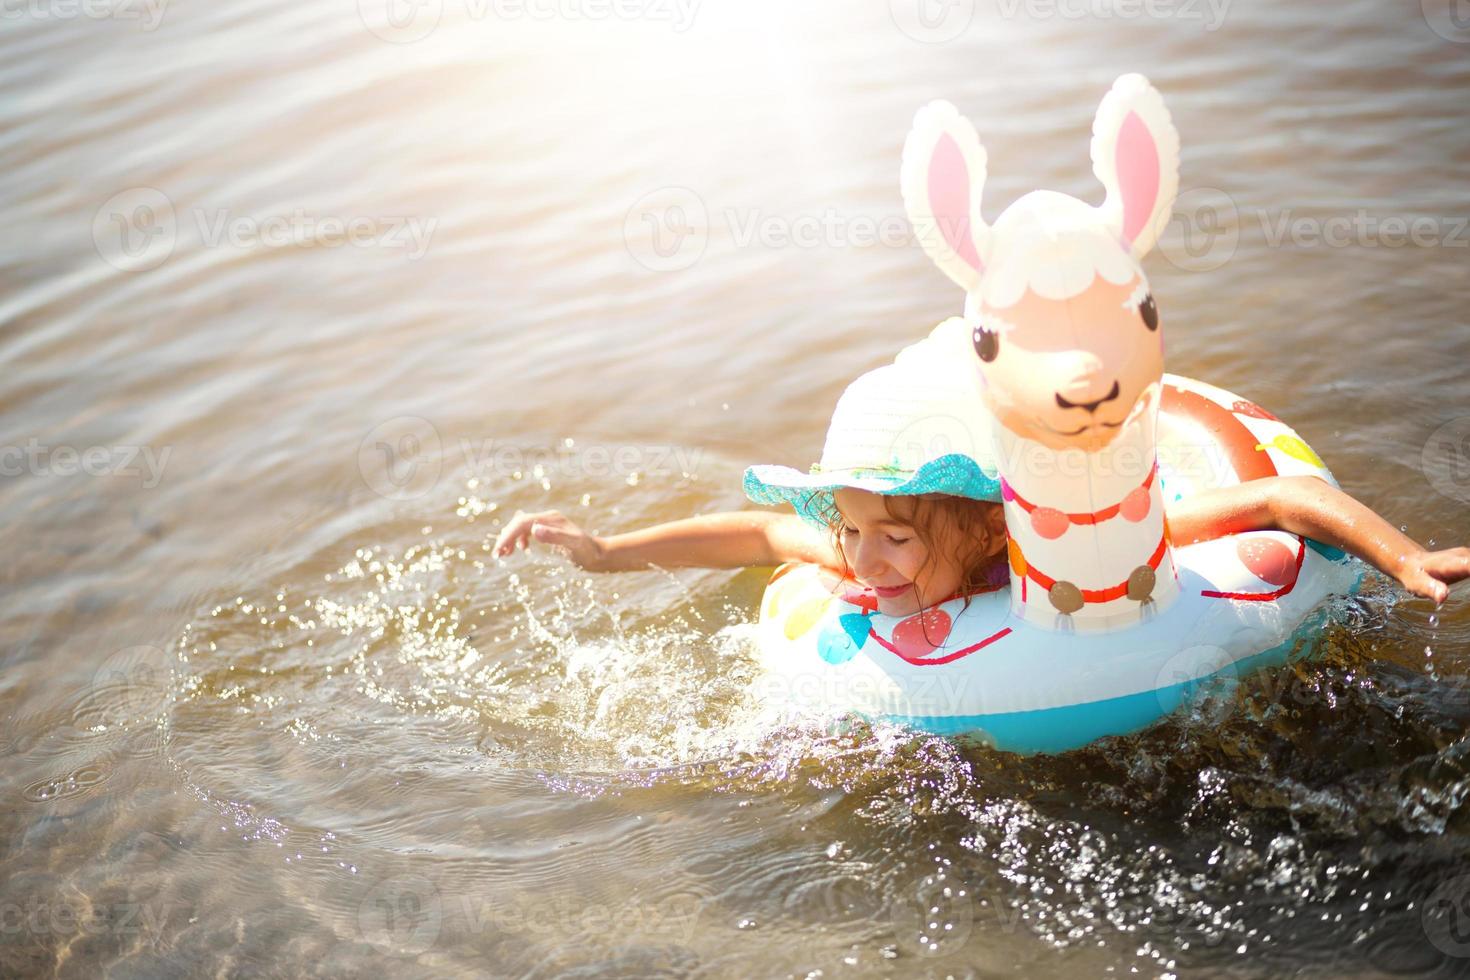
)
(888, 555)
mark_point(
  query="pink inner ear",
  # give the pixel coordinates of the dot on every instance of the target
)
(1138, 174)
(949, 198)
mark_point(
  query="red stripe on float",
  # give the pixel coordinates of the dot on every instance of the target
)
(1228, 430)
(936, 661)
(1301, 556)
(1100, 595)
(1097, 516)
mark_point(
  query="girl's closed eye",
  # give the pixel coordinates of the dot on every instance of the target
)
(847, 530)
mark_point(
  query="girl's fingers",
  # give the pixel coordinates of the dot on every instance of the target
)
(1450, 566)
(1425, 584)
(513, 534)
(506, 543)
(553, 533)
(523, 527)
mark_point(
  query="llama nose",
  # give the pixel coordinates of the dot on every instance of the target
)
(1089, 406)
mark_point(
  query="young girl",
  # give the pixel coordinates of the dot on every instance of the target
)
(895, 508)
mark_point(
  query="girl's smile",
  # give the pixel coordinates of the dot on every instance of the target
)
(890, 592)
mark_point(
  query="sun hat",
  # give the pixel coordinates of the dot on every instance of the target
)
(915, 426)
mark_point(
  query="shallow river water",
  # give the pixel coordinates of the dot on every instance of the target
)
(299, 301)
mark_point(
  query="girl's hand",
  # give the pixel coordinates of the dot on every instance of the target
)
(550, 527)
(1431, 573)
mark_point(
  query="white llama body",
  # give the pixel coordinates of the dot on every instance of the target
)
(1090, 556)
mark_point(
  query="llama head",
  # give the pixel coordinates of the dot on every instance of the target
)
(1066, 334)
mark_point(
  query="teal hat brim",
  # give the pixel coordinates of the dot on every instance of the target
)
(811, 494)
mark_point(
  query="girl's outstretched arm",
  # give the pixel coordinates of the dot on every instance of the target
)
(728, 540)
(1312, 507)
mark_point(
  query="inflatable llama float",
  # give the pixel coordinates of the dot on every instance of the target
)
(1107, 624)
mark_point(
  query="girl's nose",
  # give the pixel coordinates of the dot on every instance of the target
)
(867, 562)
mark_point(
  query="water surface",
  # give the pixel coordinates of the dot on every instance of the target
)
(268, 707)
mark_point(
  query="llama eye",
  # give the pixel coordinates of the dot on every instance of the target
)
(987, 344)
(1149, 311)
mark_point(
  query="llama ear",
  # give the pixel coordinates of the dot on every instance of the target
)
(942, 176)
(1135, 153)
